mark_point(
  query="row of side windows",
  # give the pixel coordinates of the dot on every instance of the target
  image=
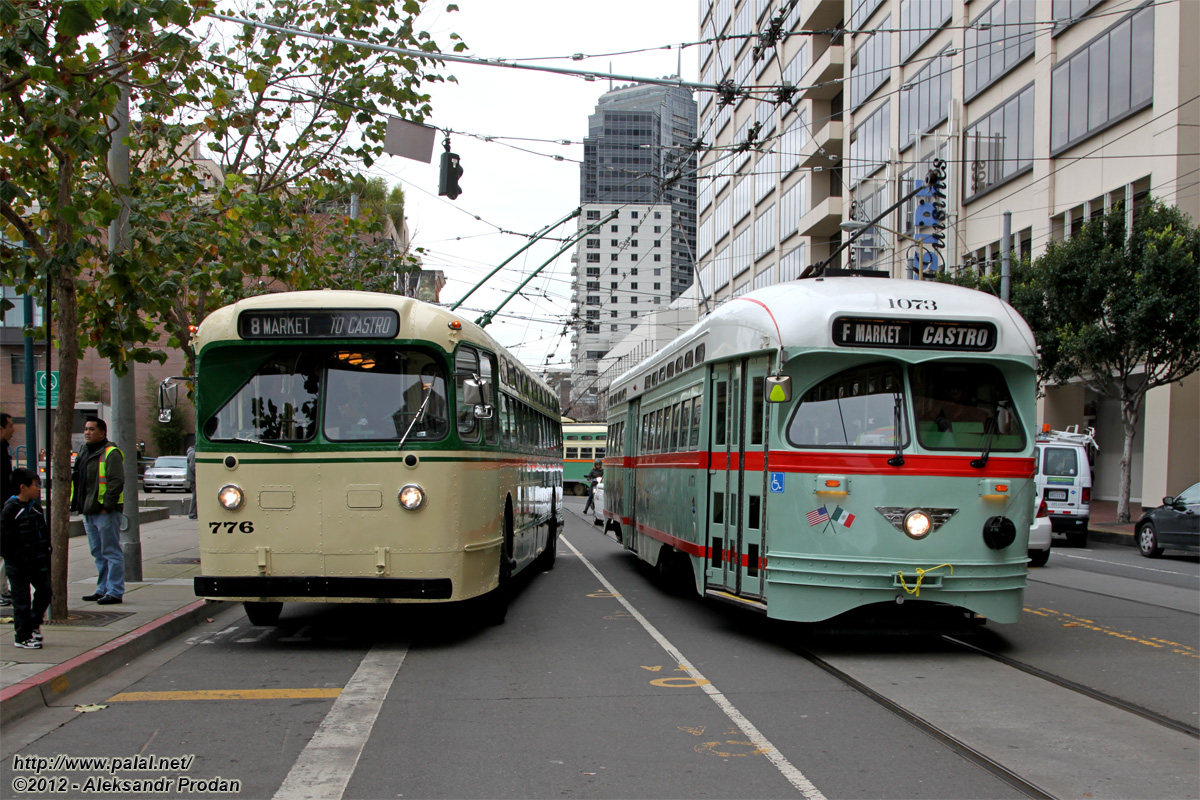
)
(674, 428)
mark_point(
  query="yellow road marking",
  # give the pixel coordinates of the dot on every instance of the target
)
(679, 683)
(227, 694)
(1072, 621)
(653, 669)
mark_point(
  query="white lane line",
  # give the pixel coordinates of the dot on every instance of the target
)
(328, 761)
(1123, 564)
(793, 775)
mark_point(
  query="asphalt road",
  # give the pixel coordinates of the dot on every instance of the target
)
(605, 683)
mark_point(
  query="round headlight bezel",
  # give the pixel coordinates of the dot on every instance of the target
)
(231, 497)
(917, 524)
(406, 494)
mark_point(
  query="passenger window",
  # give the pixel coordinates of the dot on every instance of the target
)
(666, 432)
(697, 415)
(466, 365)
(722, 389)
(757, 410)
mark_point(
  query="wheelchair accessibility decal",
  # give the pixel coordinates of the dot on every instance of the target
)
(777, 482)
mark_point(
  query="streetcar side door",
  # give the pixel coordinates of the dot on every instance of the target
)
(751, 477)
(722, 484)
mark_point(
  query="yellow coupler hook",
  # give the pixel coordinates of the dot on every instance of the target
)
(916, 590)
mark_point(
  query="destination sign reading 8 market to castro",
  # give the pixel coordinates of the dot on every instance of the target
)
(914, 334)
(316, 323)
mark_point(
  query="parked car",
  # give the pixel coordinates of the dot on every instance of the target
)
(1040, 534)
(1175, 525)
(598, 503)
(167, 472)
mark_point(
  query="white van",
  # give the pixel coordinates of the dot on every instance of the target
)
(1064, 479)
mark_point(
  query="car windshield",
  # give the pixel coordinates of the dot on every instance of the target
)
(175, 462)
(1189, 496)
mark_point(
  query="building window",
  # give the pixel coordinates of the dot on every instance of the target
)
(925, 98)
(1067, 12)
(615, 243)
(593, 313)
(919, 20)
(868, 150)
(614, 257)
(633, 313)
(592, 328)
(792, 264)
(593, 286)
(593, 244)
(612, 314)
(614, 269)
(633, 271)
(593, 272)
(633, 300)
(635, 214)
(593, 258)
(1104, 81)
(657, 257)
(612, 285)
(614, 228)
(999, 39)
(863, 9)
(792, 207)
(658, 286)
(764, 233)
(999, 146)
(871, 64)
(633, 243)
(633, 286)
(657, 228)
(593, 214)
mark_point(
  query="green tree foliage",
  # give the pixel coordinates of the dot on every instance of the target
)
(1118, 312)
(236, 137)
(58, 88)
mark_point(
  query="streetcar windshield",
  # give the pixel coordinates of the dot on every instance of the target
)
(356, 394)
(957, 404)
(855, 408)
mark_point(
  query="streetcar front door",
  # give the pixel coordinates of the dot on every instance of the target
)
(751, 475)
(723, 425)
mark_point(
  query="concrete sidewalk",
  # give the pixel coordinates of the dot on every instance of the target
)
(94, 639)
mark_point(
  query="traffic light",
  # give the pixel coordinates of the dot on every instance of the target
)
(451, 171)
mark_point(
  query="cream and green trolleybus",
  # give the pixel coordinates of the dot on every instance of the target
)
(832, 444)
(368, 448)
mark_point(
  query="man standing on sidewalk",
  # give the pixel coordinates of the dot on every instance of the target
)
(98, 493)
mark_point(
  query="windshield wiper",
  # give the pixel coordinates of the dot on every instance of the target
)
(417, 417)
(260, 441)
(898, 459)
(991, 424)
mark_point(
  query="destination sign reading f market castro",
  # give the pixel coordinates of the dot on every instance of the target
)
(914, 334)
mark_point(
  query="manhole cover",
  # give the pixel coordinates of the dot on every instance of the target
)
(184, 560)
(90, 619)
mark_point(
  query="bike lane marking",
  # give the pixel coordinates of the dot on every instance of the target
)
(789, 771)
(327, 763)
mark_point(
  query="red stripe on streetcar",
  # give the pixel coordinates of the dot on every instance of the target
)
(691, 548)
(958, 466)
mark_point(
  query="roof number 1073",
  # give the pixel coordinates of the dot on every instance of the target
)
(245, 526)
(915, 305)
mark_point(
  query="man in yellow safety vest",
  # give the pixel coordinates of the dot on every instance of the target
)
(98, 493)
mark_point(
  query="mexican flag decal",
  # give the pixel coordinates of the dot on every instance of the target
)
(842, 517)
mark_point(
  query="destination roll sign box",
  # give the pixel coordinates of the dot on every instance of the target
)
(914, 334)
(318, 323)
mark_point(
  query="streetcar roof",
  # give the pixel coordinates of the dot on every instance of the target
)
(418, 321)
(798, 316)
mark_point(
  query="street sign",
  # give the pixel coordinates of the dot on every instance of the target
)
(40, 382)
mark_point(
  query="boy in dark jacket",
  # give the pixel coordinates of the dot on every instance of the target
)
(25, 547)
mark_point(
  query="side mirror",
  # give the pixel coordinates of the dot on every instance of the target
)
(484, 411)
(779, 389)
(167, 398)
(475, 391)
(1168, 501)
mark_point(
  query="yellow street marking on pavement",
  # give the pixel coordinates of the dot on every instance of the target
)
(653, 669)
(679, 683)
(603, 594)
(227, 694)
(724, 750)
(1072, 621)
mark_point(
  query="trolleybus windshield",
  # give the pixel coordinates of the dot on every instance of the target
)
(358, 394)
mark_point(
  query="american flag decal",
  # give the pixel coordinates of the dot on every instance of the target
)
(817, 516)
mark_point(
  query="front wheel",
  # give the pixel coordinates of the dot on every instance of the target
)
(1147, 539)
(263, 614)
(1038, 558)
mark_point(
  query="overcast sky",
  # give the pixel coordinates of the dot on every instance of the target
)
(512, 190)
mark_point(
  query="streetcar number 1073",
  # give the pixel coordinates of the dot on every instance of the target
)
(917, 305)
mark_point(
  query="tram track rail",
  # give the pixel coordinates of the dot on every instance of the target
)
(984, 762)
(1066, 683)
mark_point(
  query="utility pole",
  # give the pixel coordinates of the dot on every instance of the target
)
(124, 410)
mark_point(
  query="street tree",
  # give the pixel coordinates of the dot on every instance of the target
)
(1119, 313)
(58, 89)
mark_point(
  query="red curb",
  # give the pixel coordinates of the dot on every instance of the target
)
(60, 673)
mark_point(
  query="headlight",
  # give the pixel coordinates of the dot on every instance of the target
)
(917, 524)
(412, 497)
(231, 497)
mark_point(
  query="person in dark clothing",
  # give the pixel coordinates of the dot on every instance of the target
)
(25, 547)
(7, 490)
(595, 474)
(98, 493)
